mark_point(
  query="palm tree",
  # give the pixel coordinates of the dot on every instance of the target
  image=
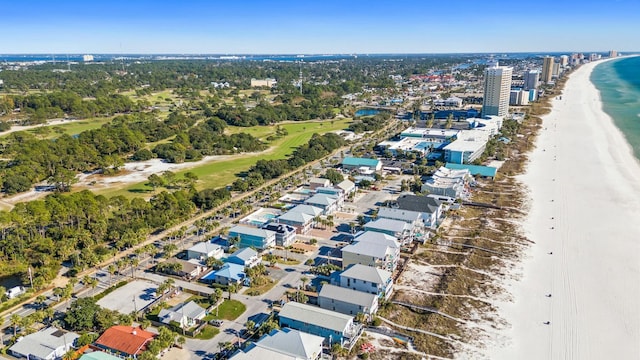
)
(93, 283)
(112, 270)
(232, 288)
(15, 320)
(303, 280)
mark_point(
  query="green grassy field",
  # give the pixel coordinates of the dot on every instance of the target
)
(228, 310)
(220, 173)
(71, 128)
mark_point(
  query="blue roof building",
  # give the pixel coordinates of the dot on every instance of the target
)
(484, 171)
(252, 237)
(352, 163)
(228, 274)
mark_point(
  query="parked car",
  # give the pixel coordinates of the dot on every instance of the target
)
(215, 322)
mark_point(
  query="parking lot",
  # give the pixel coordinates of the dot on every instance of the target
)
(136, 295)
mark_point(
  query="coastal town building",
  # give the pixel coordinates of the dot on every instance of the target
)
(124, 341)
(301, 217)
(334, 327)
(547, 69)
(367, 279)
(285, 234)
(497, 84)
(47, 344)
(204, 250)
(252, 237)
(467, 147)
(228, 274)
(246, 257)
(347, 301)
(283, 344)
(531, 79)
(363, 165)
(372, 249)
(263, 83)
(401, 230)
(448, 182)
(185, 314)
(429, 208)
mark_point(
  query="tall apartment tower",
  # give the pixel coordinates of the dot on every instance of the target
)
(497, 88)
(531, 79)
(613, 53)
(547, 68)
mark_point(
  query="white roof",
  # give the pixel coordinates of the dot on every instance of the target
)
(44, 342)
(297, 217)
(307, 209)
(348, 295)
(372, 237)
(395, 226)
(284, 344)
(366, 273)
(316, 316)
(399, 214)
(346, 185)
(189, 310)
(322, 199)
(469, 140)
(205, 247)
(251, 231)
(378, 251)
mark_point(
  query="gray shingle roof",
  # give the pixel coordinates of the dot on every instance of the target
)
(322, 199)
(347, 295)
(372, 237)
(44, 342)
(296, 217)
(292, 342)
(424, 204)
(366, 273)
(316, 316)
(398, 214)
(244, 254)
(395, 226)
(368, 249)
(307, 209)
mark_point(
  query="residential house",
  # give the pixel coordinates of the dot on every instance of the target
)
(410, 217)
(228, 274)
(301, 217)
(246, 257)
(204, 250)
(347, 186)
(315, 183)
(362, 165)
(252, 237)
(429, 207)
(124, 341)
(328, 203)
(367, 279)
(333, 191)
(284, 344)
(347, 301)
(184, 314)
(401, 230)
(372, 249)
(335, 327)
(47, 344)
(190, 269)
(285, 234)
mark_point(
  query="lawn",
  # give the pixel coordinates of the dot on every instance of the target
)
(208, 332)
(259, 290)
(228, 310)
(71, 127)
(219, 173)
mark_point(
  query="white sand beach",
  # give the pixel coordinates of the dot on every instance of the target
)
(584, 186)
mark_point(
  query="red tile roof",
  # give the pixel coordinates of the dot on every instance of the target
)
(125, 339)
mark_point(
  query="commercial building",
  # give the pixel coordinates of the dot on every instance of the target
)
(263, 82)
(47, 344)
(87, 58)
(547, 68)
(252, 237)
(361, 164)
(613, 53)
(497, 84)
(469, 146)
(519, 97)
(334, 327)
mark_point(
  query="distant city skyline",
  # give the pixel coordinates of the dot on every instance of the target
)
(306, 27)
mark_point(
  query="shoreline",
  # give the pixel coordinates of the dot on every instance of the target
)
(583, 191)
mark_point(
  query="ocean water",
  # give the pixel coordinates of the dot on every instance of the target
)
(619, 85)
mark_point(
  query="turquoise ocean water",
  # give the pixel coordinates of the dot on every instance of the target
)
(619, 85)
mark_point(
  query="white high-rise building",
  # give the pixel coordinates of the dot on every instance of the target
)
(497, 87)
(531, 79)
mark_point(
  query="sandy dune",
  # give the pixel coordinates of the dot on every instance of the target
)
(584, 186)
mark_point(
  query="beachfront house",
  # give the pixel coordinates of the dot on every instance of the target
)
(367, 279)
(334, 327)
(47, 344)
(185, 315)
(372, 249)
(430, 208)
(246, 257)
(410, 217)
(285, 344)
(401, 230)
(315, 183)
(347, 301)
(448, 182)
(251, 237)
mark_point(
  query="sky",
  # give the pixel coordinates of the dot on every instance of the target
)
(317, 27)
